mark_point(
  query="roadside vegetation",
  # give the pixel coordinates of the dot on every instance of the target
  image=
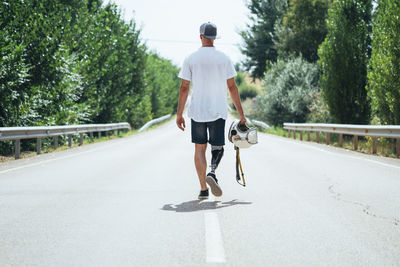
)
(78, 62)
(385, 146)
(48, 143)
(249, 89)
(325, 61)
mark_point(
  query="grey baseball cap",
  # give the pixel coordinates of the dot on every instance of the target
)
(208, 30)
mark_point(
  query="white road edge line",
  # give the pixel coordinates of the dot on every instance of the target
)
(214, 245)
(338, 154)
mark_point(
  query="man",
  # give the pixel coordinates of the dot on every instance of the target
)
(211, 73)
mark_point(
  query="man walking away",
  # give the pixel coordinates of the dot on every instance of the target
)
(211, 73)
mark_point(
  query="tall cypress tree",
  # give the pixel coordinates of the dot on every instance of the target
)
(303, 29)
(343, 61)
(258, 39)
(384, 74)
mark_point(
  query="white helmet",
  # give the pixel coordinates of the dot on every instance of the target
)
(241, 135)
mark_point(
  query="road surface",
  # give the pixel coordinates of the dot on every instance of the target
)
(133, 202)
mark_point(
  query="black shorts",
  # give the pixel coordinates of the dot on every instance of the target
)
(216, 132)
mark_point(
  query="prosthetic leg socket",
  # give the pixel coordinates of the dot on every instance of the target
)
(217, 153)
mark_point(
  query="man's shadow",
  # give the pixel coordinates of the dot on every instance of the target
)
(197, 205)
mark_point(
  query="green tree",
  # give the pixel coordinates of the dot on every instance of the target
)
(112, 62)
(343, 61)
(13, 77)
(303, 29)
(258, 39)
(78, 61)
(384, 72)
(289, 87)
(37, 30)
(163, 84)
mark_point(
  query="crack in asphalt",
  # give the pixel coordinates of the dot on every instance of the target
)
(365, 207)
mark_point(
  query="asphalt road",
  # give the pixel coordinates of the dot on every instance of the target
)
(133, 202)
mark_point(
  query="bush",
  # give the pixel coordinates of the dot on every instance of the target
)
(288, 89)
(319, 112)
(240, 79)
(247, 91)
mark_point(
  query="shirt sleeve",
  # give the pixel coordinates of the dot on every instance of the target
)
(230, 70)
(186, 72)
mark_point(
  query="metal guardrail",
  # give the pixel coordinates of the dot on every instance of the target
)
(374, 131)
(18, 133)
(260, 124)
(155, 121)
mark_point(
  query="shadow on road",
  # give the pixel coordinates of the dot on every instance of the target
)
(198, 205)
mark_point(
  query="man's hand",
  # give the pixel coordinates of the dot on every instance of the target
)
(180, 121)
(242, 120)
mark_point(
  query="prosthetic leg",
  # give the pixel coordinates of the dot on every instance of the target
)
(216, 152)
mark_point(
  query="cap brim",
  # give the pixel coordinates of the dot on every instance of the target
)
(212, 36)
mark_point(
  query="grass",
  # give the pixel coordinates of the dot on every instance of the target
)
(48, 147)
(385, 146)
(48, 143)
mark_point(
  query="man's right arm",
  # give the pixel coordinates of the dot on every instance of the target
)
(183, 94)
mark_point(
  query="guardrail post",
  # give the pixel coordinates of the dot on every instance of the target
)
(39, 146)
(81, 139)
(328, 138)
(294, 134)
(308, 136)
(340, 140)
(91, 136)
(17, 148)
(398, 147)
(99, 134)
(69, 140)
(373, 145)
(55, 142)
(289, 133)
(355, 142)
(317, 136)
(118, 132)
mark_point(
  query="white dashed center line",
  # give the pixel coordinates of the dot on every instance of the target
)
(214, 245)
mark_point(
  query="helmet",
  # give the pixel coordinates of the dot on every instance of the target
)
(241, 135)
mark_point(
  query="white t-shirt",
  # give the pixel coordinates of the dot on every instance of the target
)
(208, 69)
